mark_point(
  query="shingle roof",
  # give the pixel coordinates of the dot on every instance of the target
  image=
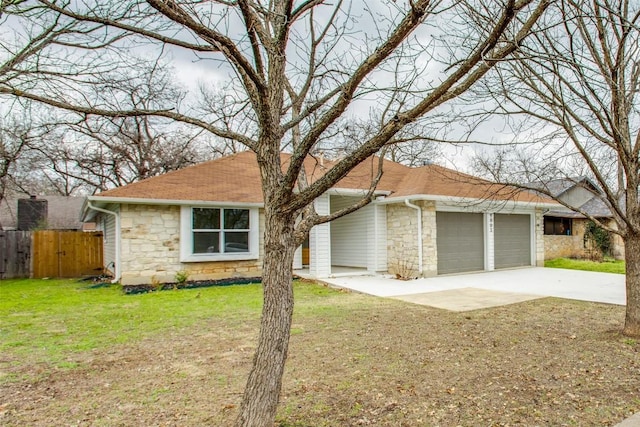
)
(236, 179)
(594, 207)
(561, 185)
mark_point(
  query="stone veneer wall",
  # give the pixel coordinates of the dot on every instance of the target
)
(151, 249)
(402, 244)
(561, 246)
(558, 246)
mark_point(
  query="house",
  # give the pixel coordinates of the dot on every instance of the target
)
(208, 220)
(42, 212)
(564, 228)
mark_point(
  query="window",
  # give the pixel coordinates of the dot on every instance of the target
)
(210, 234)
(558, 226)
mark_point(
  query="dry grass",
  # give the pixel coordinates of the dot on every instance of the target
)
(354, 360)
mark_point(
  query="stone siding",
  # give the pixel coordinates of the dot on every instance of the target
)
(402, 242)
(151, 249)
(558, 246)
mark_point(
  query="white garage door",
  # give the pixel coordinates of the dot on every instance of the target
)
(512, 240)
(460, 242)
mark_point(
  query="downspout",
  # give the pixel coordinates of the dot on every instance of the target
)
(419, 213)
(117, 272)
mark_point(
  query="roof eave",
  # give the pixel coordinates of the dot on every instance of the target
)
(167, 202)
(455, 200)
(337, 191)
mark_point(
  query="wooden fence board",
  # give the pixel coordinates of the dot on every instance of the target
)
(45, 254)
(15, 254)
(67, 253)
(80, 254)
(50, 253)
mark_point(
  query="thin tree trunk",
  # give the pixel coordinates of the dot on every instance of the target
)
(632, 258)
(261, 395)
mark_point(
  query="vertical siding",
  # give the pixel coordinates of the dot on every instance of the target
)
(377, 239)
(349, 234)
(320, 242)
(107, 224)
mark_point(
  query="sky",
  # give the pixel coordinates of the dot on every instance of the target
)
(369, 18)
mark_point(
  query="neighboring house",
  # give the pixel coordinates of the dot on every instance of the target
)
(208, 220)
(564, 229)
(43, 212)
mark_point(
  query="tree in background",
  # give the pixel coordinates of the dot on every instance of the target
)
(288, 74)
(14, 141)
(572, 93)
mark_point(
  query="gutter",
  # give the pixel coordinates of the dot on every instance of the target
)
(144, 201)
(466, 201)
(117, 272)
(419, 213)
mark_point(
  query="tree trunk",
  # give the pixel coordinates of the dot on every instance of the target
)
(632, 258)
(262, 393)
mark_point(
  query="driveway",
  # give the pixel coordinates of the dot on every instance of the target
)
(463, 292)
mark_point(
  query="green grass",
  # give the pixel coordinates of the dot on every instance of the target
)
(607, 266)
(51, 320)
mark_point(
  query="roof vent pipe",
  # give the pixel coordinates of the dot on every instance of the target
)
(419, 214)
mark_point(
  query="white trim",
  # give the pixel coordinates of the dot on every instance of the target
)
(118, 268)
(468, 202)
(142, 201)
(186, 238)
(334, 191)
(534, 240)
(477, 208)
(489, 225)
(320, 241)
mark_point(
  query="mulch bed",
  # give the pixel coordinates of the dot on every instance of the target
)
(190, 284)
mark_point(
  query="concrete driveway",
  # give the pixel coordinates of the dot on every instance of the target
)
(464, 292)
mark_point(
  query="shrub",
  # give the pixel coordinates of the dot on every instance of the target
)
(597, 241)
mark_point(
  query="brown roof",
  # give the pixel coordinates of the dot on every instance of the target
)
(236, 179)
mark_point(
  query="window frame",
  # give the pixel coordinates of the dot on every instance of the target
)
(555, 221)
(187, 232)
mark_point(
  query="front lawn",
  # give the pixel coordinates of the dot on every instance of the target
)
(607, 266)
(70, 355)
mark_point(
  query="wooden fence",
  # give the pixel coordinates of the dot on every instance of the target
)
(50, 253)
(15, 254)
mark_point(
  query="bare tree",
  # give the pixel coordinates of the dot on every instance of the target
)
(411, 146)
(293, 70)
(14, 140)
(105, 153)
(573, 95)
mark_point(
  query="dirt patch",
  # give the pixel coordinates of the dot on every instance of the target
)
(366, 361)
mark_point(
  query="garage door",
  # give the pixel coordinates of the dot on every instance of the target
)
(460, 242)
(512, 240)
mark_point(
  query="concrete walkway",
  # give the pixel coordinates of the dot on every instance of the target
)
(489, 289)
